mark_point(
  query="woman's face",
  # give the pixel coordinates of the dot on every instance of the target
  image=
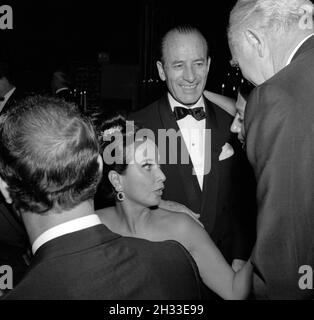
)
(143, 181)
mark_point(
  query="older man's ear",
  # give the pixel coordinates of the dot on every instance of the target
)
(5, 192)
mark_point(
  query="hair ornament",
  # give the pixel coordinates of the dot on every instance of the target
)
(111, 131)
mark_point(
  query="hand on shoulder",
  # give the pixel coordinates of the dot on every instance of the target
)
(226, 103)
(179, 208)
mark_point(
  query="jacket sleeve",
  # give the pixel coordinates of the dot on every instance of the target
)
(280, 147)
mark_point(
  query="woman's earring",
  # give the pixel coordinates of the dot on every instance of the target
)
(120, 195)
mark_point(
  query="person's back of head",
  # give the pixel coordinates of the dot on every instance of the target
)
(48, 155)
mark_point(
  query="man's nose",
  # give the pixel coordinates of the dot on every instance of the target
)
(189, 74)
(160, 175)
(236, 126)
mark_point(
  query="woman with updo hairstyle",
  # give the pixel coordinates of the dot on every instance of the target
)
(107, 128)
(132, 172)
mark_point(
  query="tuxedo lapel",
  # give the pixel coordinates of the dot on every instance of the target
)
(211, 179)
(185, 171)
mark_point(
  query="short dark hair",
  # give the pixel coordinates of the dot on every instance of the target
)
(48, 155)
(181, 29)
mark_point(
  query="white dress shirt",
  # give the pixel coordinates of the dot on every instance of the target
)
(297, 48)
(193, 132)
(66, 228)
(6, 98)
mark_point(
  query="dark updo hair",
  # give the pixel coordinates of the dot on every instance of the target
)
(106, 136)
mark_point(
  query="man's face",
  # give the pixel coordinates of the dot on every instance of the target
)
(238, 122)
(185, 67)
(254, 67)
(245, 60)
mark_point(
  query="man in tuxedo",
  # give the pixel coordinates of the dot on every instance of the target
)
(50, 167)
(13, 237)
(273, 43)
(207, 184)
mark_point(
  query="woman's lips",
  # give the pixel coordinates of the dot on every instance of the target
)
(159, 192)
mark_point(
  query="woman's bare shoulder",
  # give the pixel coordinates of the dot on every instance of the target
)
(174, 222)
(180, 227)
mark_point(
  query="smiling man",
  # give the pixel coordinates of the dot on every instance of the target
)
(184, 109)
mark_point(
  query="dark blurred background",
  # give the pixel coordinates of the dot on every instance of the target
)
(109, 48)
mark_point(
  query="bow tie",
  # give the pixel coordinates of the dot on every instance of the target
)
(198, 113)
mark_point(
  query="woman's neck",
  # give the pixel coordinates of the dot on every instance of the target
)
(131, 217)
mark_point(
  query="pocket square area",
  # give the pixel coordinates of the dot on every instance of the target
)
(227, 152)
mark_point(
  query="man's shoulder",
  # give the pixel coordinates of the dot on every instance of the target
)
(284, 83)
(223, 117)
(148, 112)
(271, 93)
(226, 105)
(149, 116)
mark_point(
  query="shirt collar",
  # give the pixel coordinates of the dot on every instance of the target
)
(66, 228)
(6, 98)
(297, 48)
(174, 103)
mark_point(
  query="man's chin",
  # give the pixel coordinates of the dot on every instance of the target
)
(189, 100)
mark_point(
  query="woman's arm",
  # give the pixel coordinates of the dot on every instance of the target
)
(215, 272)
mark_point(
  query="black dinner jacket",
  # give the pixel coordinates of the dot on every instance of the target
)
(279, 124)
(219, 204)
(97, 264)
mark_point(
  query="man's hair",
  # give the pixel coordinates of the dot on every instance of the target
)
(48, 155)
(272, 16)
(181, 29)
